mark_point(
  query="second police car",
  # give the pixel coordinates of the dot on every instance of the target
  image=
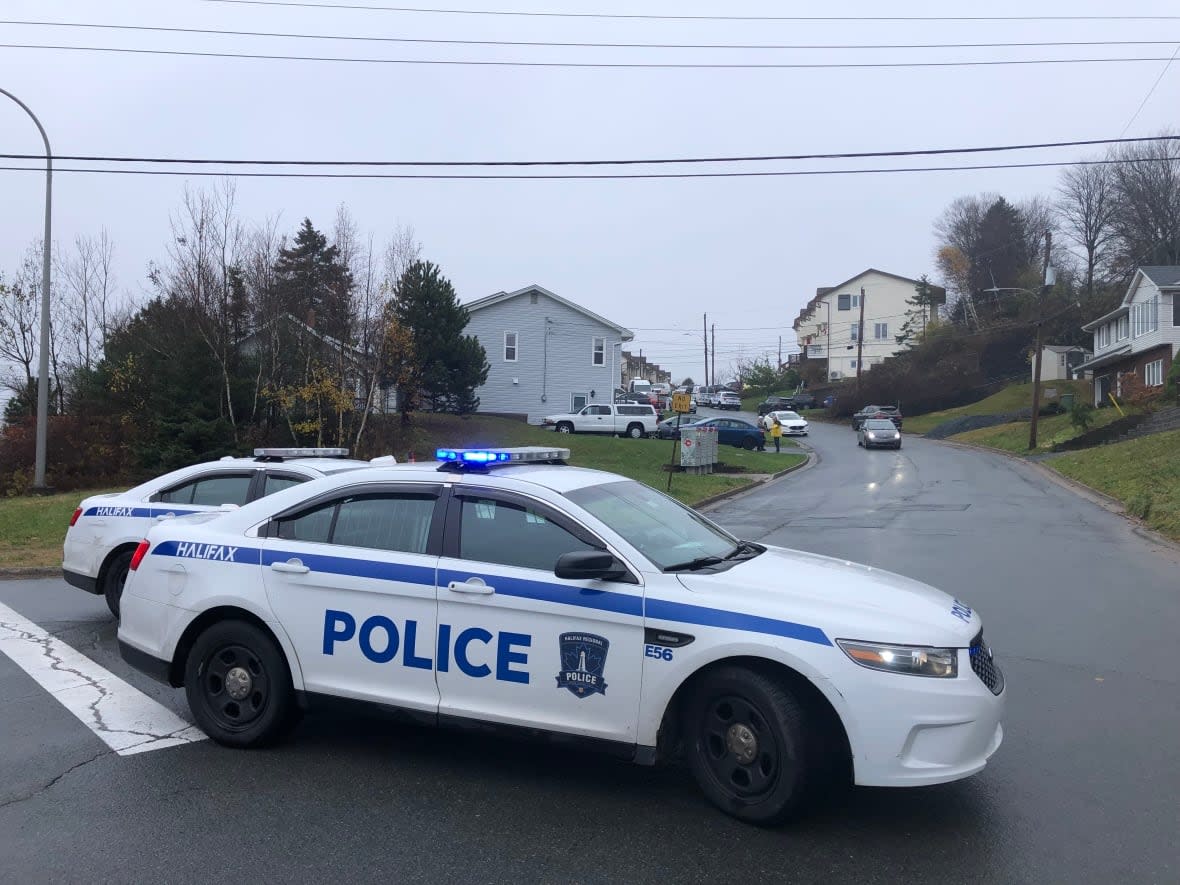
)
(505, 587)
(105, 529)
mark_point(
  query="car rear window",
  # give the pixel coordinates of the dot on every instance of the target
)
(635, 410)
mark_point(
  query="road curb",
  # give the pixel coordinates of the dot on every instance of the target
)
(811, 460)
(42, 571)
(1091, 494)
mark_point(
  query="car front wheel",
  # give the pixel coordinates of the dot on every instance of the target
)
(565, 427)
(238, 685)
(749, 745)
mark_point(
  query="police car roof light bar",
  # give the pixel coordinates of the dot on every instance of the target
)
(278, 454)
(481, 459)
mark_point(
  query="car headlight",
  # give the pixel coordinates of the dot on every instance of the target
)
(915, 660)
(870, 434)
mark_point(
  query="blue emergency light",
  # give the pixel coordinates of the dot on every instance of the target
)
(490, 457)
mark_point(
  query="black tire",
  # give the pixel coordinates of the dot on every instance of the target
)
(635, 431)
(565, 427)
(749, 444)
(265, 710)
(898, 447)
(114, 578)
(735, 713)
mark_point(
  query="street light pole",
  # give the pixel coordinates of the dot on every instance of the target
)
(1036, 391)
(43, 356)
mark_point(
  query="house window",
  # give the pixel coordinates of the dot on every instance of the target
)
(1176, 309)
(1153, 373)
(844, 302)
(1102, 337)
(1123, 328)
(509, 347)
(1145, 317)
(852, 364)
(598, 351)
(880, 330)
(856, 331)
(1061, 359)
(578, 401)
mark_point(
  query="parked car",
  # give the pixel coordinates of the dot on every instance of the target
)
(802, 400)
(727, 399)
(893, 413)
(773, 404)
(626, 419)
(876, 433)
(793, 423)
(735, 432)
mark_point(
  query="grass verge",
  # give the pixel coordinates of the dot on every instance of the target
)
(32, 529)
(1014, 437)
(1143, 474)
(1010, 399)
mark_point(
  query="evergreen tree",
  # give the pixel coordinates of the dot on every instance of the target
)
(1001, 256)
(920, 312)
(313, 284)
(450, 365)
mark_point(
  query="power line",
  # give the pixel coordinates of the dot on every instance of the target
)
(648, 161)
(1151, 91)
(746, 18)
(586, 177)
(590, 45)
(192, 53)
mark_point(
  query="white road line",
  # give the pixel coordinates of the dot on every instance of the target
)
(123, 717)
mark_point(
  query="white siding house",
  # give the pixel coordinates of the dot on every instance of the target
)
(1058, 361)
(828, 327)
(1141, 335)
(545, 354)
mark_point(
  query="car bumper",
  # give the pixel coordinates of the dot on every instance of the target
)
(160, 670)
(802, 431)
(81, 581)
(881, 443)
(912, 731)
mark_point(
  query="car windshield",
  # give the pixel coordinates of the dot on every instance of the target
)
(665, 531)
(878, 424)
(788, 416)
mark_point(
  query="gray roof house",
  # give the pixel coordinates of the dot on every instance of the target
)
(545, 354)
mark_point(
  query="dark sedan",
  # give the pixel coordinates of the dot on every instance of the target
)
(730, 432)
(891, 413)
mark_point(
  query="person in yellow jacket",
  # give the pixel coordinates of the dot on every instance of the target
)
(776, 433)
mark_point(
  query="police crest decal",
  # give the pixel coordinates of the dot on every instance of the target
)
(583, 659)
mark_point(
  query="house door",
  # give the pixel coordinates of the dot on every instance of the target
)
(578, 401)
(1103, 389)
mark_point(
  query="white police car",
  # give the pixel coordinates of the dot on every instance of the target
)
(105, 529)
(574, 602)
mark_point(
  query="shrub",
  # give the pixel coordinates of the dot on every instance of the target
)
(1081, 415)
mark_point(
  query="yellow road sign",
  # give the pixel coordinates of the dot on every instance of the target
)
(681, 402)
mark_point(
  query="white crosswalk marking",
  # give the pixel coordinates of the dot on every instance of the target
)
(123, 717)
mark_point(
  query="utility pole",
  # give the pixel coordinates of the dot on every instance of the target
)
(780, 352)
(860, 338)
(1036, 401)
(705, 340)
(713, 352)
(42, 434)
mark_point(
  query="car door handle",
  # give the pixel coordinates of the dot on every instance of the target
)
(164, 516)
(471, 585)
(290, 567)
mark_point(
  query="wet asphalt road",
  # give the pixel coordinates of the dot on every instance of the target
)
(1082, 612)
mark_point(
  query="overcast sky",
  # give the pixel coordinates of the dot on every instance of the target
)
(650, 255)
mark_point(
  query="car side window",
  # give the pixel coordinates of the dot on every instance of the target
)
(210, 491)
(511, 534)
(598, 410)
(311, 525)
(396, 522)
(277, 482)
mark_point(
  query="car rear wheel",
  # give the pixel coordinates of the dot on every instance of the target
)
(750, 746)
(115, 578)
(565, 427)
(749, 444)
(238, 685)
(635, 431)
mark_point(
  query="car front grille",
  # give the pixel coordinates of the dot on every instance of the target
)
(984, 664)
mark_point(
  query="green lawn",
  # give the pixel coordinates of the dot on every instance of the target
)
(1014, 437)
(1010, 399)
(32, 529)
(1144, 474)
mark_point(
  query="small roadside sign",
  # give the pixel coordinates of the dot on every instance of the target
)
(682, 403)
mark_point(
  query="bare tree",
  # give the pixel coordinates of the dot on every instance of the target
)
(261, 251)
(20, 317)
(86, 293)
(204, 273)
(1086, 201)
(1146, 217)
(1040, 215)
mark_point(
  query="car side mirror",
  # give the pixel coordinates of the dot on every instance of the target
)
(587, 565)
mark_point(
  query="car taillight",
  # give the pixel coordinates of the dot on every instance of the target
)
(139, 554)
(74, 518)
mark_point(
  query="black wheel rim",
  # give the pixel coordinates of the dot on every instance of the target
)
(234, 686)
(119, 578)
(740, 748)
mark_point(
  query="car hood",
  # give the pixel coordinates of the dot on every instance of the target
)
(844, 599)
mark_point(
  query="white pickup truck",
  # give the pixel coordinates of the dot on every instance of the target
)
(626, 419)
